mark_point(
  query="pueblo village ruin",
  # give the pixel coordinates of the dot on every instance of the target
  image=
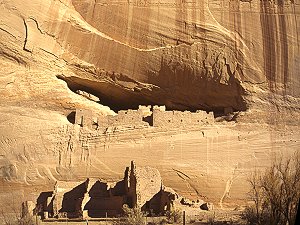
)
(144, 112)
(141, 187)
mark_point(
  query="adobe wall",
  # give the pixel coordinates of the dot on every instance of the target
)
(123, 118)
(84, 118)
(101, 206)
(133, 117)
(67, 197)
(145, 110)
(144, 183)
(141, 187)
(162, 118)
(202, 117)
(181, 119)
(159, 117)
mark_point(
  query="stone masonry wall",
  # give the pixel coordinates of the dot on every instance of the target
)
(159, 117)
(181, 119)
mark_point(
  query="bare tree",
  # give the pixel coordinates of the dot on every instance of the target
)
(275, 193)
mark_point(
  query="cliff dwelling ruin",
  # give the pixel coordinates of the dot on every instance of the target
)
(143, 117)
(206, 92)
(141, 187)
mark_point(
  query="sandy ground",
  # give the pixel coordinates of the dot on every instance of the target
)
(202, 217)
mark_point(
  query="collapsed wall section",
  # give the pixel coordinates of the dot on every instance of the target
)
(86, 118)
(141, 187)
(67, 199)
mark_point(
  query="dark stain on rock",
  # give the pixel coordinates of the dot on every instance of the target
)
(275, 41)
(268, 24)
(284, 46)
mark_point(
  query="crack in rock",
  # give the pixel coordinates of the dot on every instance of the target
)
(26, 37)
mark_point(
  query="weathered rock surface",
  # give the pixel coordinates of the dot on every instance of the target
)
(207, 55)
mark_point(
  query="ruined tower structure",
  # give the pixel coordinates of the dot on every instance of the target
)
(141, 187)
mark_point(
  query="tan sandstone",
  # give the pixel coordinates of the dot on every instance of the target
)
(236, 61)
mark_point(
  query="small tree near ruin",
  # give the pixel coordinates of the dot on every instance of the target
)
(275, 193)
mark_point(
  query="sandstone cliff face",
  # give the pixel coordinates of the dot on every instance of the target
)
(190, 55)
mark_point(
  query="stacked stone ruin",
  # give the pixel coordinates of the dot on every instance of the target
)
(143, 118)
(141, 187)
